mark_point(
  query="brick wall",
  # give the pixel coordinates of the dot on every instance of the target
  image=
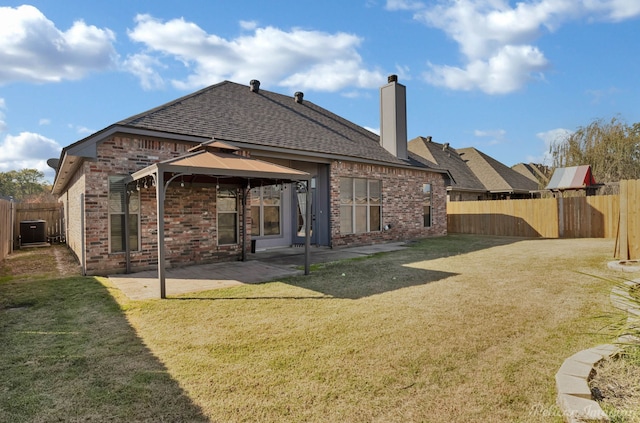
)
(71, 201)
(190, 211)
(190, 218)
(402, 200)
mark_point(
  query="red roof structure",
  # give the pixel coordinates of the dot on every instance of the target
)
(575, 177)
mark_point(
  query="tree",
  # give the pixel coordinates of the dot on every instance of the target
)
(611, 148)
(23, 184)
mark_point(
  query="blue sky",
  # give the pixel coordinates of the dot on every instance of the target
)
(506, 77)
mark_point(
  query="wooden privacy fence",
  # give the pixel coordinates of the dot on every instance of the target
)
(576, 217)
(51, 213)
(6, 221)
(628, 236)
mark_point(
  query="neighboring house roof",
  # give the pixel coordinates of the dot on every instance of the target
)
(495, 176)
(536, 172)
(575, 177)
(442, 156)
(247, 118)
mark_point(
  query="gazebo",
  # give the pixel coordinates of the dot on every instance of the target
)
(214, 161)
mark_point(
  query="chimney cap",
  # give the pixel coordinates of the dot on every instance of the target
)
(392, 78)
(254, 85)
(298, 96)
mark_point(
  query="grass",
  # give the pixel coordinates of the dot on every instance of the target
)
(459, 328)
(67, 353)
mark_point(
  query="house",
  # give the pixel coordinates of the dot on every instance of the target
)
(538, 173)
(474, 175)
(231, 168)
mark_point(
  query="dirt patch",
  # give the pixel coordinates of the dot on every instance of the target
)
(55, 261)
(615, 385)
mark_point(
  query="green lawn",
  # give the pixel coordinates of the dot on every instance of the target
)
(459, 328)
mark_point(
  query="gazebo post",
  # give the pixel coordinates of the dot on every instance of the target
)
(307, 231)
(160, 224)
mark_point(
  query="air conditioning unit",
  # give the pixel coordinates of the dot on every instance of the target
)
(33, 232)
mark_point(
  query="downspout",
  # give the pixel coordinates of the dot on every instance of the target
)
(83, 237)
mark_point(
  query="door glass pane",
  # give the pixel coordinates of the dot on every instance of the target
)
(255, 196)
(271, 220)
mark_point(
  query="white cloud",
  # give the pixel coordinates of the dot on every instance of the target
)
(297, 58)
(44, 121)
(494, 133)
(83, 130)
(497, 39)
(613, 10)
(248, 25)
(507, 71)
(550, 138)
(496, 136)
(403, 5)
(79, 129)
(3, 124)
(143, 66)
(27, 150)
(32, 49)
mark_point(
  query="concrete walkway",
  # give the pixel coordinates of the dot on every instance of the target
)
(263, 266)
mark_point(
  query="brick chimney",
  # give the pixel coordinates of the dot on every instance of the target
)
(393, 117)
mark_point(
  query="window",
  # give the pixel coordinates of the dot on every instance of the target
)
(360, 205)
(227, 206)
(426, 205)
(265, 210)
(117, 197)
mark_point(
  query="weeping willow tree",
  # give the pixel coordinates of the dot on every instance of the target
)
(611, 148)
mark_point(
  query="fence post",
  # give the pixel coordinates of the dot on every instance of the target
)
(624, 229)
(560, 203)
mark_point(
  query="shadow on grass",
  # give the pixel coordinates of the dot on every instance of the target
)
(68, 353)
(389, 271)
(333, 276)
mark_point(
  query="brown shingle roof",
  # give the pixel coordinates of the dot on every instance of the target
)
(232, 112)
(444, 157)
(495, 176)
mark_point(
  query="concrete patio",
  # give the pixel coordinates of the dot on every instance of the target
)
(263, 266)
